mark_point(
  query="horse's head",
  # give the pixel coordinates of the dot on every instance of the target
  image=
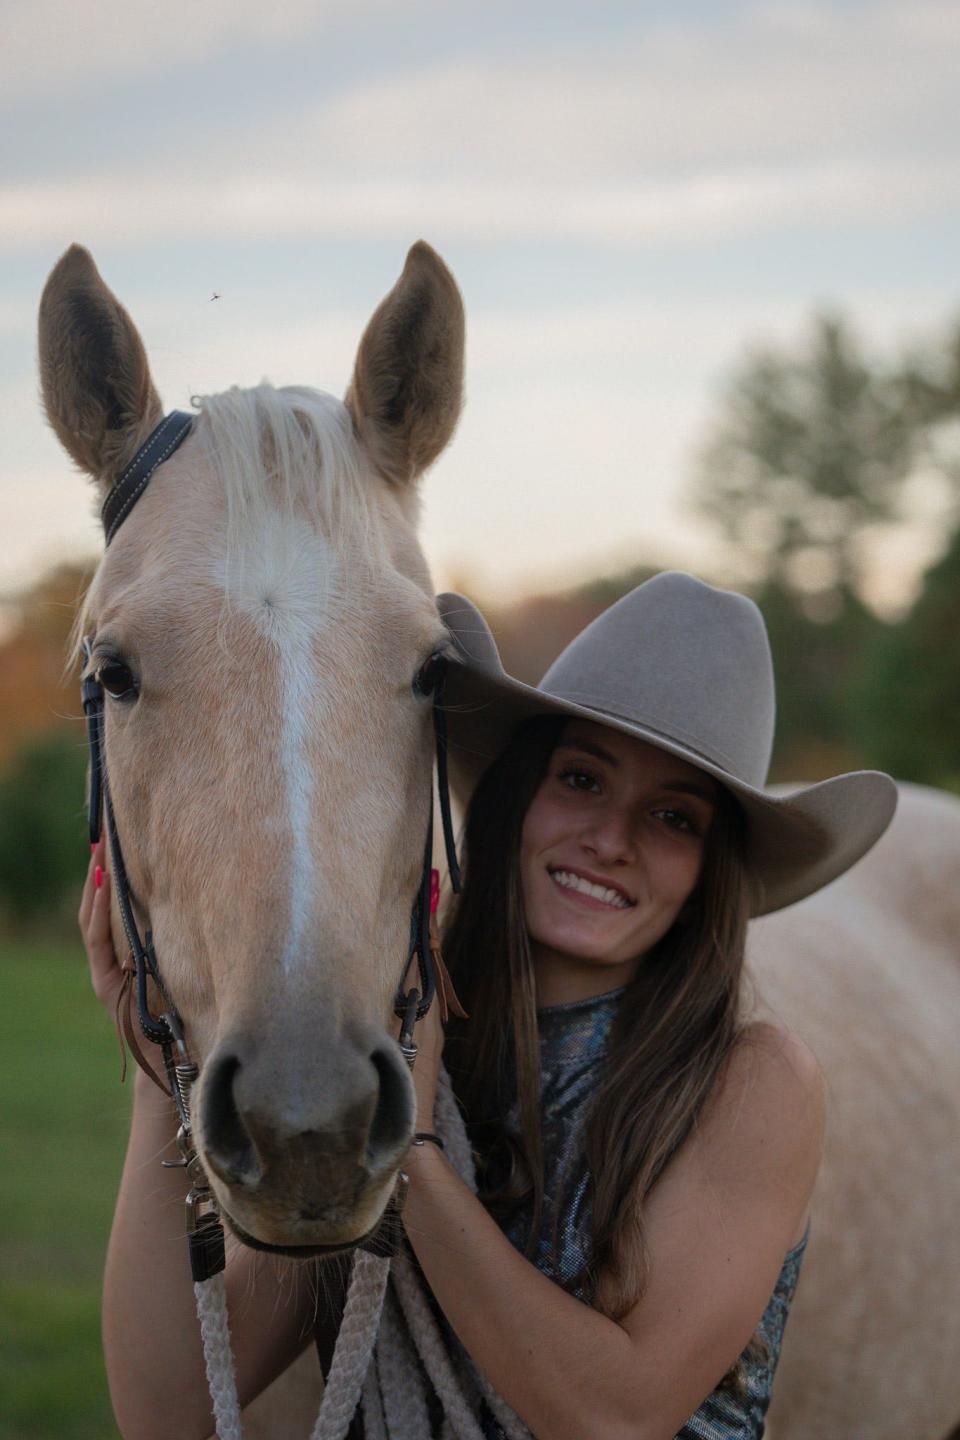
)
(259, 620)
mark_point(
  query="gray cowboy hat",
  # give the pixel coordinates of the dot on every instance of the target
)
(687, 668)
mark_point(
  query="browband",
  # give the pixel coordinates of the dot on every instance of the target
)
(158, 446)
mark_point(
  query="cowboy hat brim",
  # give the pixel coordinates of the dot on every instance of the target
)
(796, 842)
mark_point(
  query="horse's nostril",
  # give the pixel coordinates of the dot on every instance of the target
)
(228, 1144)
(392, 1119)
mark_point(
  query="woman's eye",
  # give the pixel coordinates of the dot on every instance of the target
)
(677, 820)
(576, 779)
(118, 680)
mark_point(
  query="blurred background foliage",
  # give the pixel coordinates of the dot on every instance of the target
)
(820, 469)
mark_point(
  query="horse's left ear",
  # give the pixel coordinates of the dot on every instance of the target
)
(94, 375)
(407, 386)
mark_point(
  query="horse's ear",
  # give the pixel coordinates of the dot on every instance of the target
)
(407, 386)
(94, 376)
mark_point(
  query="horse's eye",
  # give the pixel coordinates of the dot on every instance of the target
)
(118, 680)
(430, 673)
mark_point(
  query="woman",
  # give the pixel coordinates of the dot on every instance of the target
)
(647, 1153)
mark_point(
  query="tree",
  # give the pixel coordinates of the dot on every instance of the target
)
(809, 450)
(42, 827)
(35, 693)
(809, 458)
(910, 699)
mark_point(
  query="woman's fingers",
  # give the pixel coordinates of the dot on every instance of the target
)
(105, 972)
(89, 887)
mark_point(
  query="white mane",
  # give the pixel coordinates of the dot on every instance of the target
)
(290, 449)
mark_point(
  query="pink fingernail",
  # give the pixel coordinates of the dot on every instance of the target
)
(434, 891)
(98, 877)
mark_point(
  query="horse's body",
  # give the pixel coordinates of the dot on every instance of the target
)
(868, 972)
(271, 786)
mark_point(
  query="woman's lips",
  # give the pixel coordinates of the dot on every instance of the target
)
(595, 894)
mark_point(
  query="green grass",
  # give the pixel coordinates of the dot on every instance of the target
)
(63, 1126)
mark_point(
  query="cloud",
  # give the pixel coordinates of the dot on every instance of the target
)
(71, 43)
(692, 210)
(767, 85)
(778, 116)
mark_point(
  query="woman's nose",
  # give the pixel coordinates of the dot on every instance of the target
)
(611, 836)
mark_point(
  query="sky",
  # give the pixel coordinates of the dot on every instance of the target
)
(630, 197)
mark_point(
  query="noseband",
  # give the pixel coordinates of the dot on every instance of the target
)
(204, 1231)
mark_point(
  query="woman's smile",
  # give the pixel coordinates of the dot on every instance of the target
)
(590, 890)
(611, 850)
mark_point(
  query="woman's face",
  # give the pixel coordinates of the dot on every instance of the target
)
(612, 847)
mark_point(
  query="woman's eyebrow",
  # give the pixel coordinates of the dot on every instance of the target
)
(589, 748)
(690, 787)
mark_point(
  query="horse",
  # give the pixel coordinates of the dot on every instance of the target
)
(263, 613)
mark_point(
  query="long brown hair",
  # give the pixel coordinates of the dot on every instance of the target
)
(675, 1029)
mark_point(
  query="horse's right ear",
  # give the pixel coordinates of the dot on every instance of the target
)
(407, 385)
(94, 376)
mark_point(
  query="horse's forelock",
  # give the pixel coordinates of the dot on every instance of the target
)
(291, 449)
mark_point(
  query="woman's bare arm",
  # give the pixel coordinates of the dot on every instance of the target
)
(718, 1226)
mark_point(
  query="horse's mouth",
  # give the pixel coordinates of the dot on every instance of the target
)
(299, 1252)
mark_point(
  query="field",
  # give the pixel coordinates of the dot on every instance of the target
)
(62, 1134)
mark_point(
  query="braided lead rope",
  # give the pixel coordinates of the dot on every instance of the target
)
(374, 1424)
(354, 1347)
(393, 1393)
(433, 1351)
(450, 1125)
(507, 1418)
(211, 1298)
(401, 1379)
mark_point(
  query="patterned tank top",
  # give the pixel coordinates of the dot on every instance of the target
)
(573, 1042)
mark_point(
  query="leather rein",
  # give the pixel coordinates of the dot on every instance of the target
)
(165, 1030)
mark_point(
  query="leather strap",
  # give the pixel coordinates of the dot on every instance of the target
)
(126, 1031)
(159, 446)
(447, 997)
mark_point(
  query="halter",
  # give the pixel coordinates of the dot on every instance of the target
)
(204, 1230)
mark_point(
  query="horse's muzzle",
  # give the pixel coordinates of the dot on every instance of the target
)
(305, 1161)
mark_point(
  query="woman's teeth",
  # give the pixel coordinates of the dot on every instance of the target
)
(569, 881)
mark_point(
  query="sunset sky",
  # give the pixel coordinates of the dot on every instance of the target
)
(629, 195)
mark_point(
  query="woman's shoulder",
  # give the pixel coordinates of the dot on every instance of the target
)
(768, 1107)
(768, 1056)
(767, 1043)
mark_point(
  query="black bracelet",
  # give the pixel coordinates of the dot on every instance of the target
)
(422, 1136)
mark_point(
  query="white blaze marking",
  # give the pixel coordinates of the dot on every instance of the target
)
(283, 582)
(297, 675)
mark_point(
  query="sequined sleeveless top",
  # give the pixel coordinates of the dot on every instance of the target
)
(573, 1042)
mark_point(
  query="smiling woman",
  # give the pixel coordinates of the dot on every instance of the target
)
(628, 1115)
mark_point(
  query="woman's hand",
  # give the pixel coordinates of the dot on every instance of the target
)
(106, 972)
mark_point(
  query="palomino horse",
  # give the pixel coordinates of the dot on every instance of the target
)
(271, 769)
(269, 764)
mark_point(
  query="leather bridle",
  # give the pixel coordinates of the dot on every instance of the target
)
(204, 1231)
